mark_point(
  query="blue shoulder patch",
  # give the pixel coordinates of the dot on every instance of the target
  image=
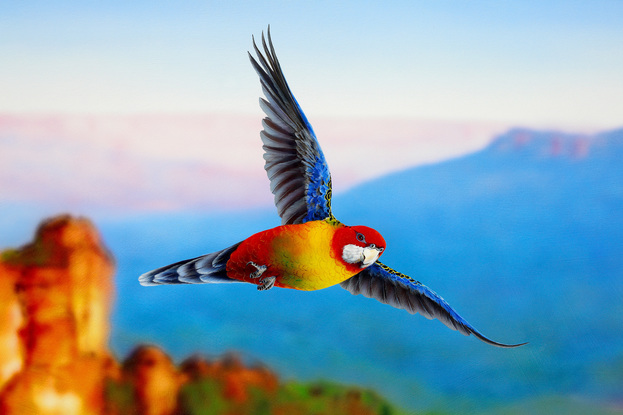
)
(318, 195)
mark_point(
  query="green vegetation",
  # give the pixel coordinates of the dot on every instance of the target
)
(120, 398)
(205, 397)
(10, 256)
(33, 254)
(331, 398)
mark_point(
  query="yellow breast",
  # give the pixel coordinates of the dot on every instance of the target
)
(306, 256)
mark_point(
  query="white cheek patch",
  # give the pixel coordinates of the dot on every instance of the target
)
(352, 254)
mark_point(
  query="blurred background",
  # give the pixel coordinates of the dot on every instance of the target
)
(482, 139)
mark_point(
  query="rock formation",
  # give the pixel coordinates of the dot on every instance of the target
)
(237, 379)
(56, 296)
(11, 358)
(154, 380)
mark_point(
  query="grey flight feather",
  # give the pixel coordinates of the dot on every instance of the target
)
(297, 170)
(209, 268)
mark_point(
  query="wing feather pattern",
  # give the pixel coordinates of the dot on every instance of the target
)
(403, 292)
(297, 170)
(209, 268)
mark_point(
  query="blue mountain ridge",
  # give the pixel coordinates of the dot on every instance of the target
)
(523, 238)
(528, 233)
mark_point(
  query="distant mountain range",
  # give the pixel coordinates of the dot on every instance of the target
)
(523, 238)
(527, 237)
(136, 163)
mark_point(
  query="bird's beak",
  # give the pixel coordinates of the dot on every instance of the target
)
(370, 255)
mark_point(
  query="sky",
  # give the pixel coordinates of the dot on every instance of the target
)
(152, 105)
(534, 63)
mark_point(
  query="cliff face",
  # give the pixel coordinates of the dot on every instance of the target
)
(11, 358)
(154, 379)
(55, 295)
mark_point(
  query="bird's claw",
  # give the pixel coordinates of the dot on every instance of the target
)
(259, 269)
(266, 283)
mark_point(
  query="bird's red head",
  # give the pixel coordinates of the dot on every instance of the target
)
(365, 236)
(358, 246)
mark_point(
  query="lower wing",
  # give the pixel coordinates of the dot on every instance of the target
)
(403, 292)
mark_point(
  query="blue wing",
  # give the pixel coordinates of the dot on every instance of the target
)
(297, 170)
(403, 292)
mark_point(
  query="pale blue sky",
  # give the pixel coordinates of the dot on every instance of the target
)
(534, 63)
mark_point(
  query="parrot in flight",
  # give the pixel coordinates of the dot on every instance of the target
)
(311, 249)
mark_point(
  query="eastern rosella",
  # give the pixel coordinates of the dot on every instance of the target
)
(311, 250)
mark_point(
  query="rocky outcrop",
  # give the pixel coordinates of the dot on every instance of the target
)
(11, 357)
(158, 387)
(237, 378)
(154, 380)
(55, 297)
(57, 293)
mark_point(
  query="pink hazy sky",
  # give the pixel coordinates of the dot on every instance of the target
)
(200, 161)
(386, 86)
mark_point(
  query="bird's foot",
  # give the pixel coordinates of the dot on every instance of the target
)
(259, 269)
(266, 283)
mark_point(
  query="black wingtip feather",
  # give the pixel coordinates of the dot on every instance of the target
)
(494, 343)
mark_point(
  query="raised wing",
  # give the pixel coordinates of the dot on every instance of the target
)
(401, 291)
(297, 170)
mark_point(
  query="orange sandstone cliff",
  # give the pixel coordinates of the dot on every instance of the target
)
(55, 296)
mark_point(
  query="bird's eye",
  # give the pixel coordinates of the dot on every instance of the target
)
(360, 237)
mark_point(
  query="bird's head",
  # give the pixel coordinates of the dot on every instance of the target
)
(358, 246)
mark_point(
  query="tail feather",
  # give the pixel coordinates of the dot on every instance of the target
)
(209, 268)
